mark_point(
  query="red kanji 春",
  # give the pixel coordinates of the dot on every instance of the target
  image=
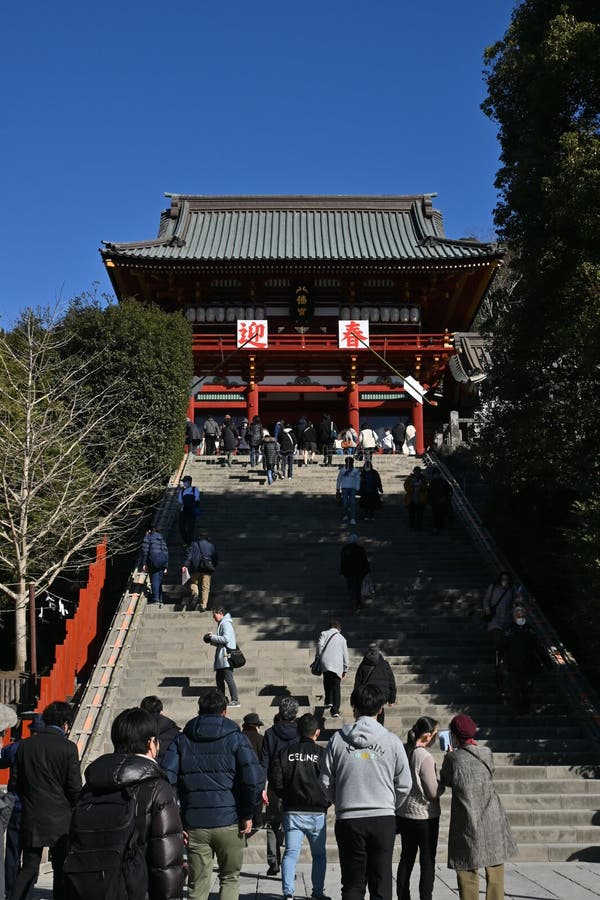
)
(351, 334)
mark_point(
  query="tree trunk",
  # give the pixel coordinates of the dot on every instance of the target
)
(21, 628)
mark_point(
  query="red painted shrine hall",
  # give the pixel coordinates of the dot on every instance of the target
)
(297, 303)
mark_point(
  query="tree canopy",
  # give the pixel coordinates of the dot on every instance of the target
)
(93, 413)
(542, 402)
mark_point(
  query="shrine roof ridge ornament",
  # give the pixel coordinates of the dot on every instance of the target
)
(269, 229)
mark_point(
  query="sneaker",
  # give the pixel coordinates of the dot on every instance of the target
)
(345, 519)
(353, 521)
(327, 706)
(234, 703)
(335, 715)
(272, 871)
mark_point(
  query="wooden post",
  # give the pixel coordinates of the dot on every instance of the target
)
(353, 408)
(252, 403)
(190, 409)
(418, 423)
(252, 390)
(32, 633)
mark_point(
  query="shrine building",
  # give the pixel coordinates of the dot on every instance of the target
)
(302, 304)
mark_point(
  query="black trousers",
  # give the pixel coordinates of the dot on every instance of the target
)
(225, 676)
(327, 453)
(275, 834)
(366, 847)
(187, 526)
(418, 835)
(370, 503)
(30, 867)
(354, 583)
(416, 512)
(332, 690)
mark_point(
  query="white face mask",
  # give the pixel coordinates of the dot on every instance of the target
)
(520, 621)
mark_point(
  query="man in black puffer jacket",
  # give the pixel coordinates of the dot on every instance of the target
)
(229, 438)
(219, 781)
(167, 729)
(276, 739)
(376, 671)
(158, 823)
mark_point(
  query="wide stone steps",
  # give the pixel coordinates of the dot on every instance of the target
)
(278, 575)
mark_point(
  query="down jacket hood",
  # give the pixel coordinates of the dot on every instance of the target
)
(209, 728)
(372, 657)
(114, 771)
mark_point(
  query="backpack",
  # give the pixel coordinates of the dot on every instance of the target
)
(287, 442)
(104, 857)
(189, 498)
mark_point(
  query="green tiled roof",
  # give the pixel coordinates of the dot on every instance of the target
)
(251, 229)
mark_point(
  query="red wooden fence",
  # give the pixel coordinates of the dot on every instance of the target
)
(72, 655)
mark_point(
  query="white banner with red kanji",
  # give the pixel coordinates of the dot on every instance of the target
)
(353, 335)
(253, 334)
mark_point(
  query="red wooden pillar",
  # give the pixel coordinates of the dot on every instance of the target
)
(252, 403)
(418, 423)
(190, 409)
(353, 408)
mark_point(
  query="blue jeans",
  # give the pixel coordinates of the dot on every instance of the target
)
(295, 826)
(269, 476)
(349, 502)
(156, 582)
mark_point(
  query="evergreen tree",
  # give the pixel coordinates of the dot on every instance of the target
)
(542, 402)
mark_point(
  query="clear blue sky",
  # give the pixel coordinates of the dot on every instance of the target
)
(108, 105)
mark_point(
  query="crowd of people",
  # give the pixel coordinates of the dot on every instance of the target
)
(166, 804)
(277, 450)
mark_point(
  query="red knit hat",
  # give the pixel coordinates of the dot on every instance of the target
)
(463, 727)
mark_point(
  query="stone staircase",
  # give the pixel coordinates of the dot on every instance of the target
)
(278, 576)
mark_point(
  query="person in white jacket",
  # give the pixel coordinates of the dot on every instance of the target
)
(333, 652)
(367, 441)
(223, 639)
(348, 483)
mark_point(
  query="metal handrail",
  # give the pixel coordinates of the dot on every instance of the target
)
(571, 679)
(94, 706)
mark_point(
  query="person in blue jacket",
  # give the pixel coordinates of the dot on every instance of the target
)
(219, 781)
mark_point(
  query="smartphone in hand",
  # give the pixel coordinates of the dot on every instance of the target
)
(445, 741)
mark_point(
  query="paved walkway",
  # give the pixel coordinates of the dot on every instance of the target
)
(525, 881)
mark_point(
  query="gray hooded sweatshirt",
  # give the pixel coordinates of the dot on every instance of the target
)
(366, 772)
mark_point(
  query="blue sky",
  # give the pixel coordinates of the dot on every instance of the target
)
(107, 106)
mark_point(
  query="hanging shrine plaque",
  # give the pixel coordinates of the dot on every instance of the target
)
(353, 334)
(253, 334)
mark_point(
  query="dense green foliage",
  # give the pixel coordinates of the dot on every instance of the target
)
(147, 355)
(541, 409)
(92, 416)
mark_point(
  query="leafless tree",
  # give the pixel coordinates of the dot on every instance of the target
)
(60, 490)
